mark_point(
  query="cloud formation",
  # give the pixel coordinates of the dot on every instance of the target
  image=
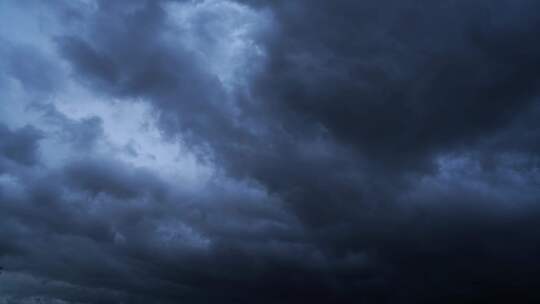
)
(262, 151)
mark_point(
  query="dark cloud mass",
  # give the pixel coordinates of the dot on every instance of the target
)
(19, 146)
(302, 151)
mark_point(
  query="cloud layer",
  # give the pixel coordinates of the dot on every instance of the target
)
(269, 151)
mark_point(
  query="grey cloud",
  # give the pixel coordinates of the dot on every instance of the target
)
(100, 176)
(21, 145)
(399, 81)
(159, 248)
(82, 134)
(33, 69)
(382, 152)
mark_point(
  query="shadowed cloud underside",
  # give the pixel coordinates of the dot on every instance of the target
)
(258, 151)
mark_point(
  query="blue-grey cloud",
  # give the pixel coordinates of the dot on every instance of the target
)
(269, 151)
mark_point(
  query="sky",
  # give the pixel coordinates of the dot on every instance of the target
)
(269, 151)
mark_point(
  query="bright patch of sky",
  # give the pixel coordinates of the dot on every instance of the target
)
(223, 34)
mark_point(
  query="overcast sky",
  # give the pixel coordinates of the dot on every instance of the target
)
(269, 151)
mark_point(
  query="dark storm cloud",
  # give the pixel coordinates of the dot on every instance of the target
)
(398, 81)
(400, 84)
(385, 152)
(19, 146)
(102, 234)
(103, 177)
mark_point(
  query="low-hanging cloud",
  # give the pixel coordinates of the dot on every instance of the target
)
(269, 151)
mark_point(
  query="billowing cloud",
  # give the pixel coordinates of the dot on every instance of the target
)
(269, 151)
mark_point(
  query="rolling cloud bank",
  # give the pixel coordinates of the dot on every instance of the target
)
(269, 151)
